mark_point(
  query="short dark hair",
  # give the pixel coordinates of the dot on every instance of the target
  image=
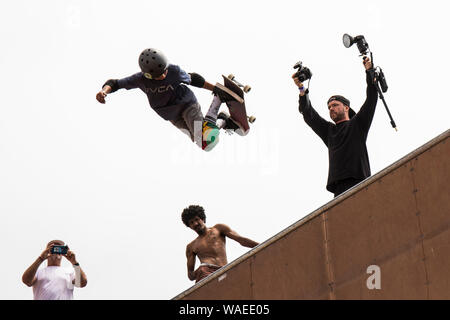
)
(191, 212)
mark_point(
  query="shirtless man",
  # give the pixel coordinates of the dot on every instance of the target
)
(209, 246)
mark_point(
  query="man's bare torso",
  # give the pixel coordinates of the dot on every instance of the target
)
(210, 247)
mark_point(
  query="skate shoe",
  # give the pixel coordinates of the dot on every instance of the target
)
(210, 135)
(229, 123)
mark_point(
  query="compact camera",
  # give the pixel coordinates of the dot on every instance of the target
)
(59, 250)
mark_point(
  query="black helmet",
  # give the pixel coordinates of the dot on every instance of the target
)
(153, 63)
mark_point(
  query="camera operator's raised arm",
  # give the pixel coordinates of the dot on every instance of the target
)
(311, 117)
(365, 115)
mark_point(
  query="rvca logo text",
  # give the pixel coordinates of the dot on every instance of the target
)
(161, 89)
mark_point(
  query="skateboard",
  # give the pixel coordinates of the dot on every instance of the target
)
(236, 107)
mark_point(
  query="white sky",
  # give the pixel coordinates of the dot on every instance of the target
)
(111, 180)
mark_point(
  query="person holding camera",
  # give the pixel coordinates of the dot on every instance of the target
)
(54, 282)
(346, 137)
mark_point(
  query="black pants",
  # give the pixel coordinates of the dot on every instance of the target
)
(344, 185)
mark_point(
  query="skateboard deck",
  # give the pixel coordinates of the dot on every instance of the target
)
(237, 108)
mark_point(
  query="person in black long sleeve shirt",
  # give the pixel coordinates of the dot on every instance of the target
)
(346, 137)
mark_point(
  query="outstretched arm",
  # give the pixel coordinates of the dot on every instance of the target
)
(112, 85)
(228, 232)
(311, 117)
(101, 95)
(200, 82)
(208, 86)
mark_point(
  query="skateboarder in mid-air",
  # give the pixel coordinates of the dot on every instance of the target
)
(166, 88)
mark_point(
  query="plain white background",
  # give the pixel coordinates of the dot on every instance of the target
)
(111, 180)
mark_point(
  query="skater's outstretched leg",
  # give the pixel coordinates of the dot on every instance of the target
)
(203, 132)
(191, 122)
(213, 110)
(210, 131)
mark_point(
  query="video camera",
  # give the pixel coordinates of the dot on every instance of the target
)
(303, 73)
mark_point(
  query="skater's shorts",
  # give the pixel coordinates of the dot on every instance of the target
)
(191, 122)
(204, 270)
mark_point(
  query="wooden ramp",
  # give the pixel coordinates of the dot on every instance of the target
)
(397, 220)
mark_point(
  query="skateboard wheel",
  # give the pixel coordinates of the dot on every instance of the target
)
(247, 89)
(231, 76)
(251, 119)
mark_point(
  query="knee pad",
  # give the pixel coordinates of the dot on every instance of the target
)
(210, 136)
